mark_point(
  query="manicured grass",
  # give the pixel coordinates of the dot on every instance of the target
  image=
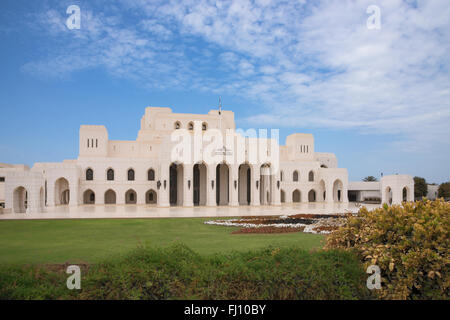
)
(177, 272)
(92, 240)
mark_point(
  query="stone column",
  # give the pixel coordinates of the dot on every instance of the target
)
(255, 192)
(234, 191)
(410, 193)
(211, 191)
(276, 191)
(329, 193)
(51, 193)
(120, 195)
(140, 195)
(163, 192)
(74, 192)
(345, 194)
(100, 197)
(397, 195)
(304, 195)
(33, 199)
(265, 186)
(288, 194)
(188, 186)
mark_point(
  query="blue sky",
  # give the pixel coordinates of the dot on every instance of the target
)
(378, 99)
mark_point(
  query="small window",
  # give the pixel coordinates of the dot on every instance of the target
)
(2, 179)
(89, 174)
(204, 126)
(311, 176)
(190, 126)
(295, 176)
(281, 176)
(177, 125)
(131, 175)
(110, 175)
(151, 175)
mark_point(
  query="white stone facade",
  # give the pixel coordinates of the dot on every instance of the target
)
(153, 171)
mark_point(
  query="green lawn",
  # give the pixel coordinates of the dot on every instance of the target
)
(92, 240)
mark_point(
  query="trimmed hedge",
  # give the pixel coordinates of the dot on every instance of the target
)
(410, 244)
(179, 273)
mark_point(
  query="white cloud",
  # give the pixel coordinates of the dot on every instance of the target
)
(313, 63)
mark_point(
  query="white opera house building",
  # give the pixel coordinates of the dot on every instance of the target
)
(189, 160)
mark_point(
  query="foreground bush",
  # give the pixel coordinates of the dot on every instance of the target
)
(410, 244)
(178, 273)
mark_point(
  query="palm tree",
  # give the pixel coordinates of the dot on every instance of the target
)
(370, 179)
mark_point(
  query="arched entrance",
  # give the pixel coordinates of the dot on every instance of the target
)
(244, 194)
(199, 194)
(405, 193)
(176, 184)
(312, 195)
(62, 192)
(296, 196)
(388, 194)
(130, 197)
(282, 196)
(110, 197)
(266, 185)
(89, 197)
(151, 197)
(337, 190)
(20, 200)
(222, 184)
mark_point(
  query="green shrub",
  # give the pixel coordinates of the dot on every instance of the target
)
(410, 244)
(420, 187)
(179, 273)
(444, 190)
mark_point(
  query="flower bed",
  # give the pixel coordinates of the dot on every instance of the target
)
(319, 224)
(269, 230)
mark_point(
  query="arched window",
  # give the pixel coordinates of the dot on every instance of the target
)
(131, 175)
(296, 196)
(204, 126)
(311, 176)
(295, 176)
(191, 126)
(177, 125)
(110, 175)
(89, 174)
(281, 176)
(151, 175)
(130, 197)
(150, 197)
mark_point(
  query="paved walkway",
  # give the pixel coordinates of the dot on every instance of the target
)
(145, 211)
